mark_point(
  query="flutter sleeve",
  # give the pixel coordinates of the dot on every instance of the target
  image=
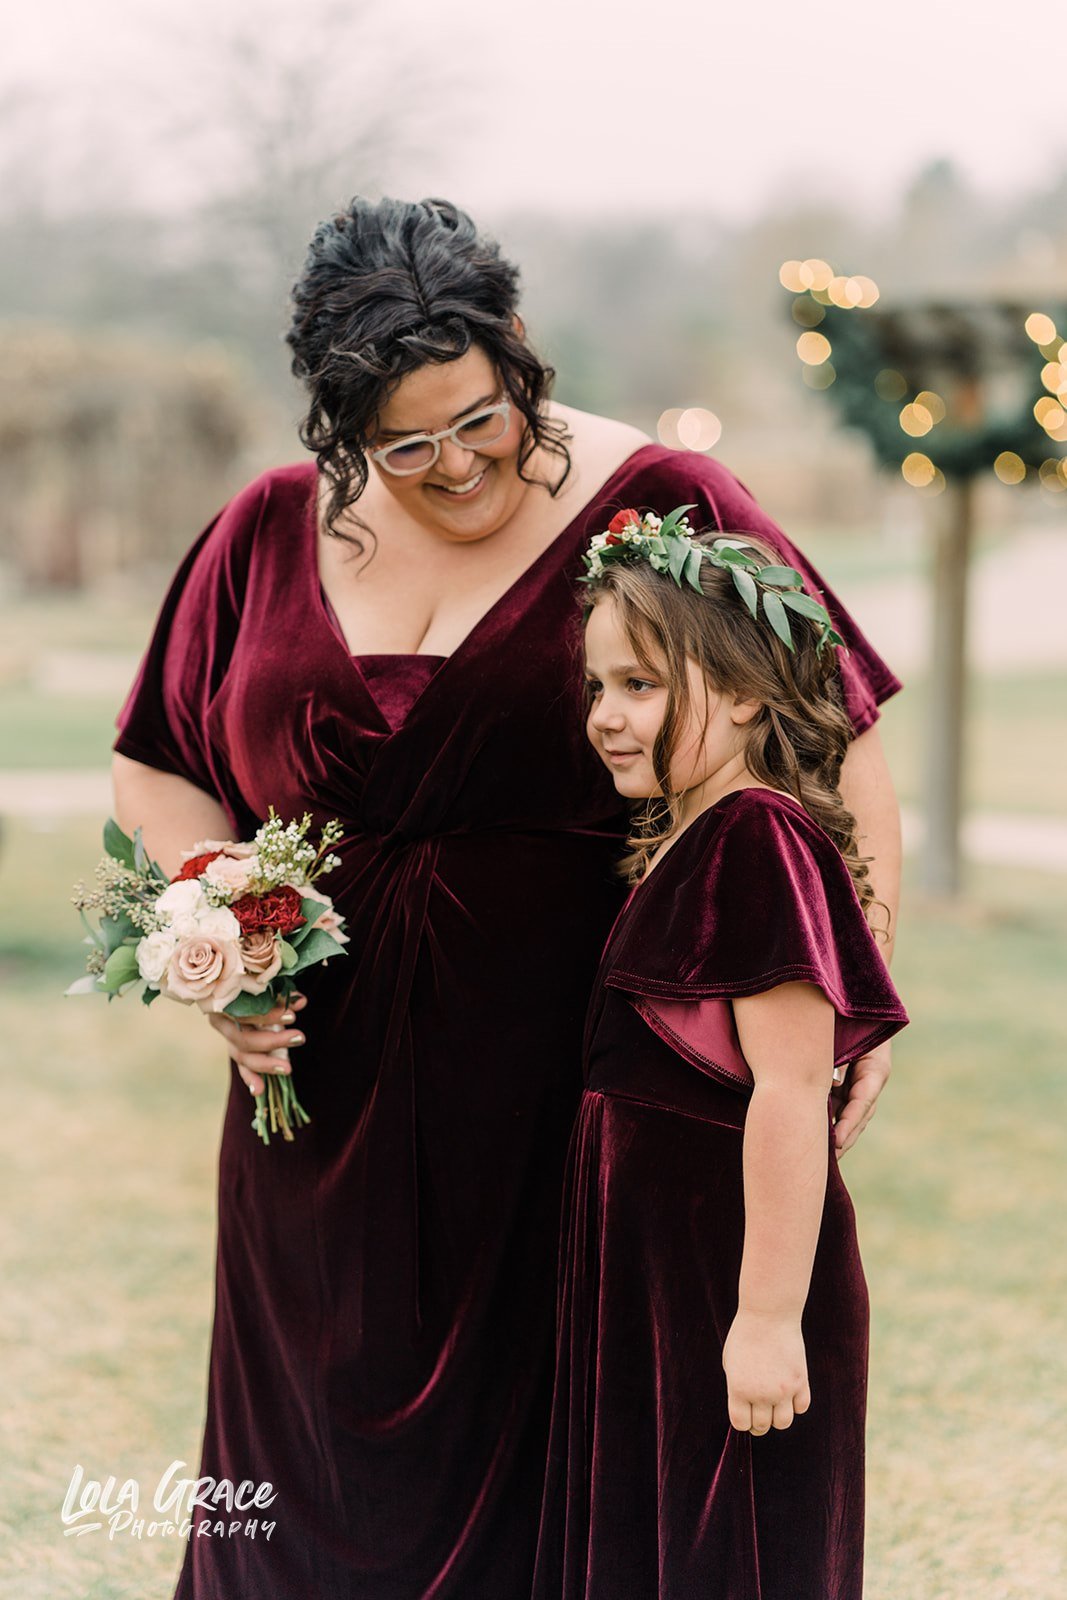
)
(769, 901)
(166, 719)
(676, 477)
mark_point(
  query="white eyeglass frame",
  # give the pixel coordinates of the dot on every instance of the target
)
(503, 409)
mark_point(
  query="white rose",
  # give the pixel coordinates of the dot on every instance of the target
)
(209, 922)
(184, 898)
(153, 956)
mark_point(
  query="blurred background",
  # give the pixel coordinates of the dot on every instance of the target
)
(827, 245)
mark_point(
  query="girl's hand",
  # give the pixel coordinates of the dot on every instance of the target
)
(261, 1044)
(766, 1371)
(855, 1100)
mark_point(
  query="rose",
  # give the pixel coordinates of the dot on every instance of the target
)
(278, 909)
(153, 956)
(621, 520)
(329, 920)
(262, 960)
(195, 865)
(223, 847)
(208, 922)
(230, 873)
(205, 972)
(182, 898)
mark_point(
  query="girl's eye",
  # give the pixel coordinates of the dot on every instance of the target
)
(640, 683)
(593, 686)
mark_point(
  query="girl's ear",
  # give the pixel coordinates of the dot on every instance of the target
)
(519, 325)
(743, 711)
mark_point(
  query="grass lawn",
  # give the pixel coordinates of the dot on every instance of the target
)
(107, 1233)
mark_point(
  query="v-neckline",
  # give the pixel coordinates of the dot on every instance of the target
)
(526, 575)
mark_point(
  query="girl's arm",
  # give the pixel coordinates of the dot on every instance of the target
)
(867, 790)
(787, 1035)
(173, 814)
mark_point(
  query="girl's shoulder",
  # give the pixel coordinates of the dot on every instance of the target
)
(753, 894)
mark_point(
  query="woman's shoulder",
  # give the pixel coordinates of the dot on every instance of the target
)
(659, 478)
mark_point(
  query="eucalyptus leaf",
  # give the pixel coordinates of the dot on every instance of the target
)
(776, 616)
(86, 985)
(117, 843)
(673, 518)
(692, 570)
(140, 854)
(115, 931)
(250, 1005)
(788, 576)
(805, 606)
(288, 955)
(735, 558)
(318, 946)
(745, 585)
(148, 995)
(121, 968)
(679, 555)
(311, 911)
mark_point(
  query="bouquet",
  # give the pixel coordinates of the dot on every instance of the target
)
(229, 933)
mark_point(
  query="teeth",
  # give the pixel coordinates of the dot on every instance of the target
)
(463, 488)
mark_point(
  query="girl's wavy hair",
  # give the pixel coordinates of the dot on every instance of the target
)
(387, 287)
(797, 739)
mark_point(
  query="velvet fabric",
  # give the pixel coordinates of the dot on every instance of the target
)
(385, 1288)
(649, 1490)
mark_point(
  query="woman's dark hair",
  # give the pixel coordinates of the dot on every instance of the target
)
(798, 737)
(386, 288)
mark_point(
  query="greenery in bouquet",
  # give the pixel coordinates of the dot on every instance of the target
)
(230, 932)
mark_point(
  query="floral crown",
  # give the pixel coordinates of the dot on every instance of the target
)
(669, 546)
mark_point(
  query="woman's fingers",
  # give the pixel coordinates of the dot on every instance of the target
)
(762, 1413)
(740, 1414)
(802, 1400)
(782, 1415)
(259, 1045)
(866, 1080)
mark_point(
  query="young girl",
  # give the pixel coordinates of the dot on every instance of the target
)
(708, 1415)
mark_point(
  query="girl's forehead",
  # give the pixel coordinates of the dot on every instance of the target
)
(610, 644)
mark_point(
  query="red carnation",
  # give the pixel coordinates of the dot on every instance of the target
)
(278, 909)
(621, 520)
(195, 866)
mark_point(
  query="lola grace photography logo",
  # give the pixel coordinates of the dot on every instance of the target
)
(93, 1505)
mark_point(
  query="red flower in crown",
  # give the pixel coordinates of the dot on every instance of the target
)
(195, 866)
(621, 520)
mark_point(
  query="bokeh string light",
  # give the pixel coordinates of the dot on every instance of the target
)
(968, 427)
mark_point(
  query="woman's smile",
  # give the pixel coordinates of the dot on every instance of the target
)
(468, 490)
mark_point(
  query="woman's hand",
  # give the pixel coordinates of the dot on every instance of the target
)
(766, 1371)
(261, 1044)
(855, 1101)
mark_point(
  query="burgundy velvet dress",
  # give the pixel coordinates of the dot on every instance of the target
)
(385, 1289)
(649, 1491)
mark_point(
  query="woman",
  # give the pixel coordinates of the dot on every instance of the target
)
(387, 635)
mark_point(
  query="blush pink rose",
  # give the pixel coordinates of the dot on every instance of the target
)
(329, 920)
(204, 971)
(231, 873)
(262, 960)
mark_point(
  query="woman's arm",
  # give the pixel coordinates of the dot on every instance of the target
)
(787, 1036)
(867, 790)
(173, 814)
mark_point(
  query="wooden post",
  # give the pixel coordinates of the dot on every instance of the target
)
(942, 853)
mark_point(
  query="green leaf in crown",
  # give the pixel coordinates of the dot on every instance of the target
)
(670, 547)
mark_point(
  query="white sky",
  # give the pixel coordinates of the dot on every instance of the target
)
(659, 104)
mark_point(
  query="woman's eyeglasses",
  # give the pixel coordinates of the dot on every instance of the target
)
(419, 451)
